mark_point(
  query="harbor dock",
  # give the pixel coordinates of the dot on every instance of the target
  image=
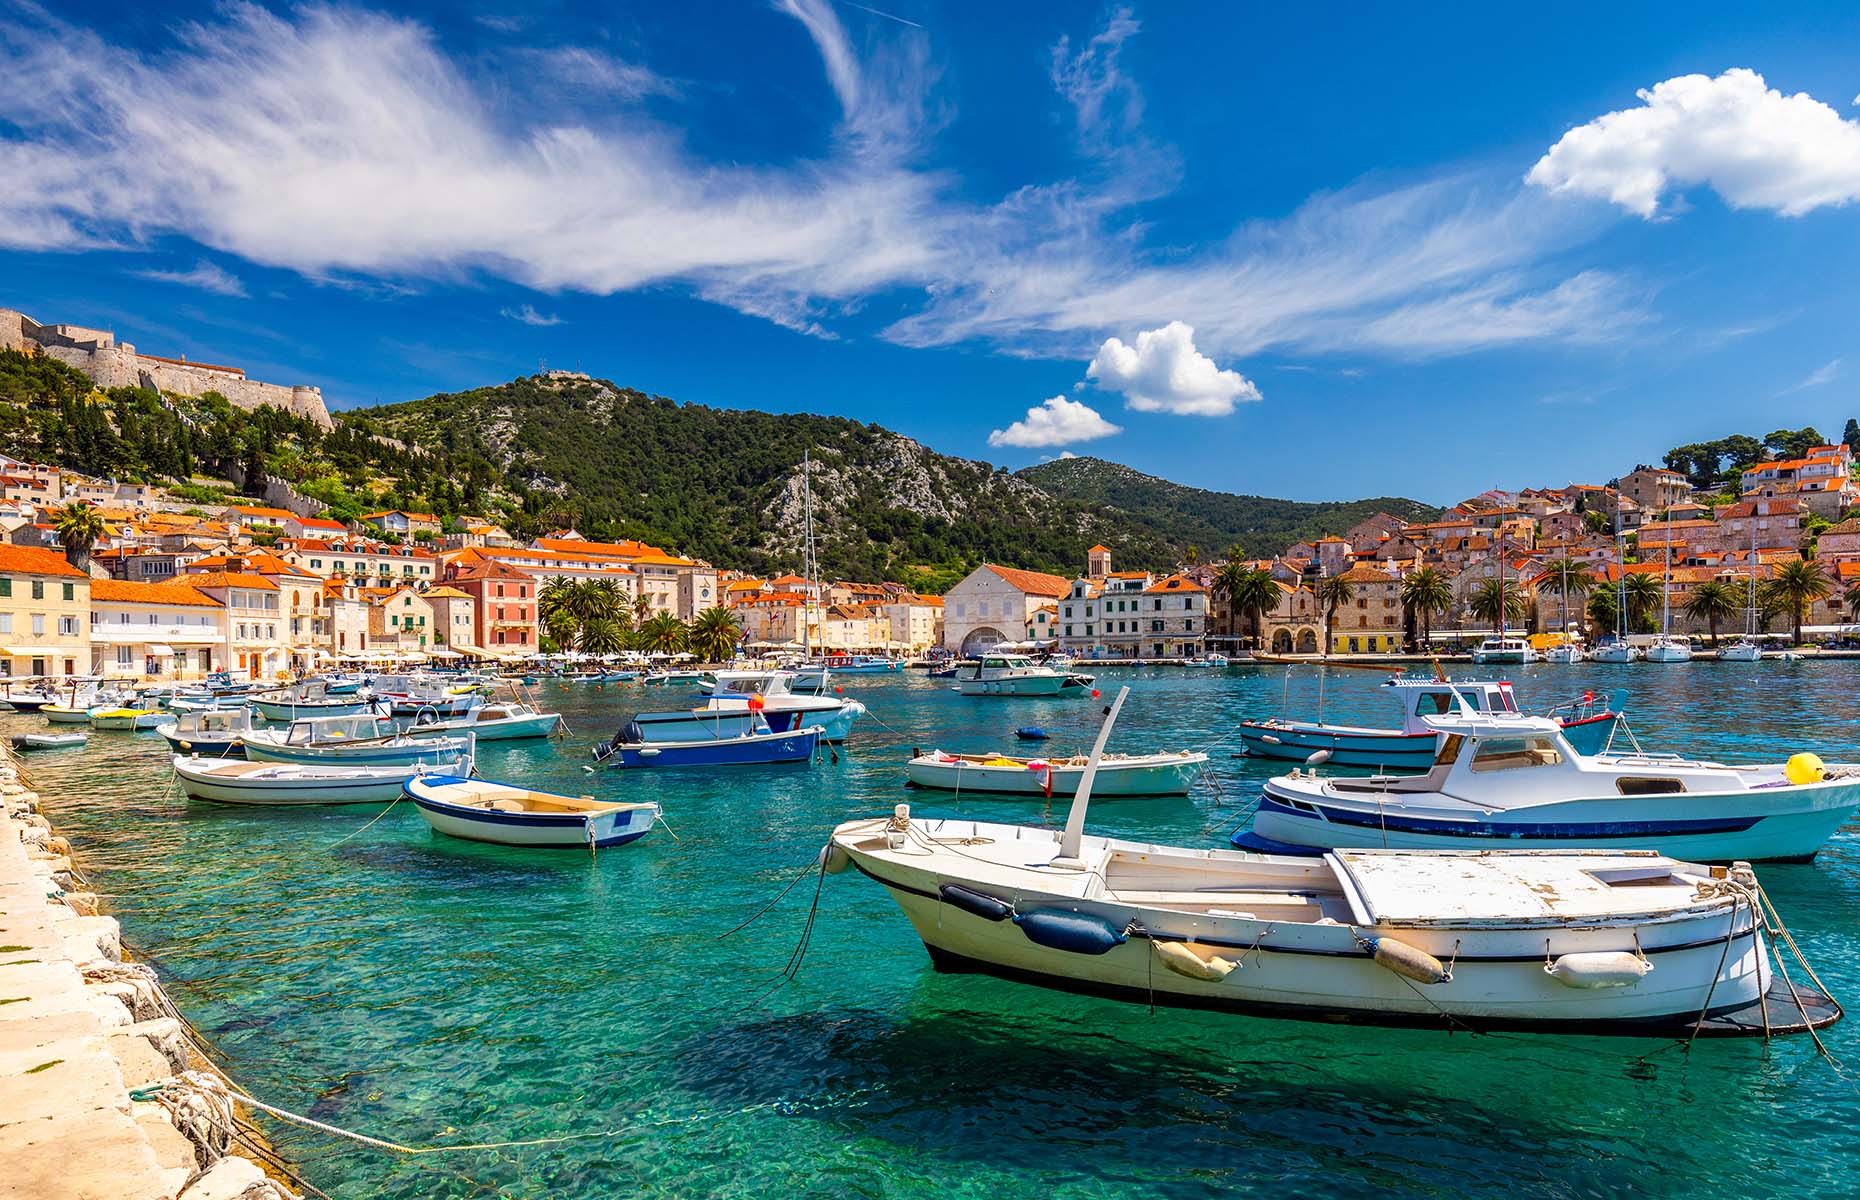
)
(100, 1095)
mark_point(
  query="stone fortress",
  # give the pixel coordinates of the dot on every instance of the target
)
(110, 363)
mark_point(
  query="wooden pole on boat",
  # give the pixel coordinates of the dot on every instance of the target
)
(1081, 800)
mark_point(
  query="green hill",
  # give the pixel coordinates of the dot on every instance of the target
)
(1211, 521)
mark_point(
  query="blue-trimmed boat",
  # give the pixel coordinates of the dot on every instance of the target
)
(483, 810)
(761, 745)
(211, 732)
(1589, 722)
(1502, 781)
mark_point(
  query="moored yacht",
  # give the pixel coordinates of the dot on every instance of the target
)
(1018, 675)
(1504, 649)
(1670, 648)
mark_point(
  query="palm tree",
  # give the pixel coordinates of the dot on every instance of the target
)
(555, 607)
(1493, 601)
(1424, 593)
(1332, 591)
(1852, 600)
(602, 635)
(1227, 582)
(663, 633)
(714, 634)
(1713, 601)
(642, 610)
(1644, 593)
(561, 627)
(1191, 556)
(1569, 578)
(1258, 595)
(1795, 585)
(79, 527)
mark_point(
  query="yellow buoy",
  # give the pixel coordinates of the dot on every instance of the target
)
(1804, 768)
(1184, 961)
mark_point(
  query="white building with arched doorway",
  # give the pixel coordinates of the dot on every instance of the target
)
(996, 604)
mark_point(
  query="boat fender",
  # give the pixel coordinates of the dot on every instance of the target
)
(833, 860)
(1598, 969)
(1074, 932)
(1183, 961)
(980, 904)
(1409, 962)
(1804, 769)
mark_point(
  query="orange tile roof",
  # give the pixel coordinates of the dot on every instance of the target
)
(125, 592)
(255, 510)
(239, 579)
(623, 549)
(1036, 583)
(1178, 583)
(1099, 550)
(35, 560)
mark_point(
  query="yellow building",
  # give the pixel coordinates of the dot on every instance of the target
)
(44, 613)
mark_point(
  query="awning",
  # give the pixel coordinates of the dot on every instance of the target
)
(161, 650)
(36, 651)
(445, 654)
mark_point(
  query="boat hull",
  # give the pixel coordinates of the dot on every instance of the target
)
(48, 741)
(1390, 750)
(540, 725)
(286, 710)
(1026, 685)
(1114, 779)
(1698, 827)
(125, 722)
(560, 831)
(724, 752)
(287, 790)
(427, 752)
(1712, 962)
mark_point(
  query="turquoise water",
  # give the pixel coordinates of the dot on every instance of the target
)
(432, 991)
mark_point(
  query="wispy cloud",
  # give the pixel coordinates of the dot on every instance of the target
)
(528, 315)
(207, 276)
(1825, 374)
(389, 163)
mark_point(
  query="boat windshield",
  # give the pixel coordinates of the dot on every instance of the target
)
(1510, 753)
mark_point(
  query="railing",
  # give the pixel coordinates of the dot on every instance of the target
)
(156, 633)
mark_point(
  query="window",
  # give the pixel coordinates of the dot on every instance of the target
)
(123, 656)
(1504, 754)
(38, 589)
(6, 622)
(68, 626)
(70, 591)
(38, 624)
(6, 587)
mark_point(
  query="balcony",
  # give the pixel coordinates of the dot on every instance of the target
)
(197, 635)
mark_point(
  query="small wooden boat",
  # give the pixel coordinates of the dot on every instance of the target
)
(236, 781)
(748, 749)
(215, 732)
(49, 741)
(66, 714)
(482, 810)
(310, 698)
(490, 722)
(1578, 942)
(1118, 774)
(125, 718)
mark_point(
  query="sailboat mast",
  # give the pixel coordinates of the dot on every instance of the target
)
(807, 553)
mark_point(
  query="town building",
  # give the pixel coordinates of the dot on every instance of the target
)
(993, 604)
(44, 613)
(161, 630)
(1654, 489)
(503, 606)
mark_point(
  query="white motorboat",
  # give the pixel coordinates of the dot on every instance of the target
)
(77, 713)
(1515, 781)
(408, 695)
(1670, 648)
(1504, 649)
(481, 810)
(490, 722)
(1614, 650)
(1568, 652)
(1018, 675)
(308, 698)
(1593, 941)
(771, 694)
(212, 731)
(1118, 774)
(352, 740)
(236, 781)
(1744, 649)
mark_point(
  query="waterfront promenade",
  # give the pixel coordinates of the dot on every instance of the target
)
(84, 1042)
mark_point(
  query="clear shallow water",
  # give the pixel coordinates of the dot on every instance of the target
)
(428, 990)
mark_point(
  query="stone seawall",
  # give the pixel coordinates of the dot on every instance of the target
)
(101, 1096)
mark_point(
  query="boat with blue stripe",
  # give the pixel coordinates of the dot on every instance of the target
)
(1589, 722)
(484, 810)
(1516, 781)
(756, 746)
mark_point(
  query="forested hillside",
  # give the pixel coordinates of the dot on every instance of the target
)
(1212, 521)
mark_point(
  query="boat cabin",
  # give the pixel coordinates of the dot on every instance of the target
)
(1423, 698)
(324, 731)
(1501, 761)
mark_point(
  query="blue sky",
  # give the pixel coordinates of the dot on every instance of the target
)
(1314, 254)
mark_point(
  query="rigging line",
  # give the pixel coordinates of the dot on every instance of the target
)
(792, 884)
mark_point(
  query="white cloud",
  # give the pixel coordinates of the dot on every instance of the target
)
(1055, 422)
(1164, 372)
(1825, 374)
(1754, 146)
(207, 276)
(347, 146)
(528, 315)
(590, 70)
